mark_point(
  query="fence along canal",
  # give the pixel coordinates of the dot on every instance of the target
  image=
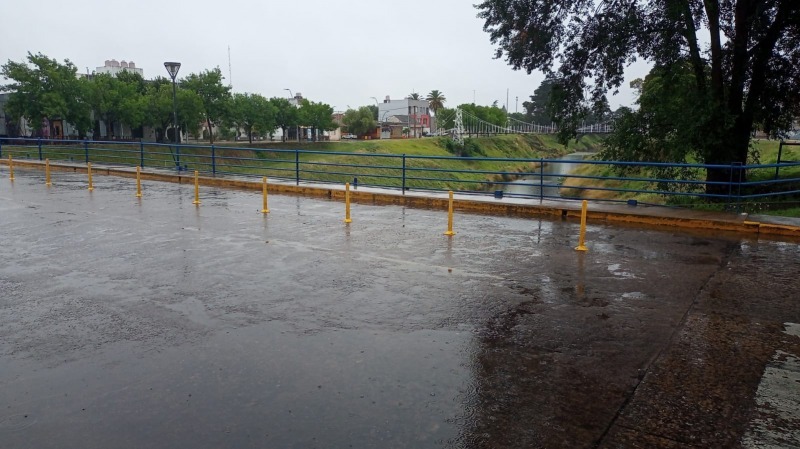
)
(471, 175)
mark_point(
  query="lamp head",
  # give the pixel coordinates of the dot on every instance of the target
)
(172, 69)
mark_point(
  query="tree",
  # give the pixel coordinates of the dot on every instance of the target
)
(114, 100)
(374, 109)
(286, 114)
(252, 112)
(491, 114)
(436, 100)
(158, 111)
(539, 109)
(665, 104)
(445, 119)
(317, 116)
(42, 90)
(413, 96)
(360, 121)
(214, 95)
(748, 75)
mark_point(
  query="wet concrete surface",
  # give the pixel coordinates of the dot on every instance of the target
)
(155, 323)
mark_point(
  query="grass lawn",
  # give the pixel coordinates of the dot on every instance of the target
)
(428, 164)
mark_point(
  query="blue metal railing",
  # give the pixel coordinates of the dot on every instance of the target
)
(516, 177)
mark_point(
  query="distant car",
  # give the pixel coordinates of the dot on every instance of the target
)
(349, 137)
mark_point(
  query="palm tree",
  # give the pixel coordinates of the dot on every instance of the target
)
(436, 100)
(413, 96)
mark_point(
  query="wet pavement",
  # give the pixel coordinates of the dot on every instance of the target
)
(130, 323)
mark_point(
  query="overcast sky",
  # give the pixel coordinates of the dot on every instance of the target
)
(337, 52)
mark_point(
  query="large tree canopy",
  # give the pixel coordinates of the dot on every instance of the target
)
(360, 121)
(747, 76)
(251, 112)
(286, 114)
(215, 96)
(318, 117)
(43, 89)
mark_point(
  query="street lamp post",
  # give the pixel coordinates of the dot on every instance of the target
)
(297, 128)
(172, 69)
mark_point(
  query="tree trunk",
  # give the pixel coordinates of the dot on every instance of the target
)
(210, 131)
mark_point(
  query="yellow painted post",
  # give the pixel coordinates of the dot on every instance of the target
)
(89, 171)
(582, 238)
(11, 167)
(196, 188)
(265, 210)
(347, 203)
(47, 173)
(449, 231)
(138, 183)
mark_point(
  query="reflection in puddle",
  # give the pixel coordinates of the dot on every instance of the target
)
(616, 270)
(633, 295)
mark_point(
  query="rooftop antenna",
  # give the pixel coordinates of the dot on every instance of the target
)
(230, 71)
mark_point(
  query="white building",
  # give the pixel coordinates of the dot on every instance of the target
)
(112, 67)
(414, 113)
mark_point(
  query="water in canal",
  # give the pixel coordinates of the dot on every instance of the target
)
(548, 183)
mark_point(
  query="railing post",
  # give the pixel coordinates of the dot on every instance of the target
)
(740, 169)
(86, 151)
(541, 180)
(141, 154)
(730, 186)
(1, 148)
(40, 148)
(297, 166)
(213, 161)
(404, 173)
(178, 156)
(778, 163)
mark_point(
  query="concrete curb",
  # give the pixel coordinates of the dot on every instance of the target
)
(647, 217)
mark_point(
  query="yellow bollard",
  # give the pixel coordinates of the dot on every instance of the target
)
(347, 203)
(265, 210)
(449, 231)
(11, 167)
(196, 188)
(89, 171)
(47, 173)
(582, 238)
(138, 183)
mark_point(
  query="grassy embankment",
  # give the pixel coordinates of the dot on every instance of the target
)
(768, 153)
(341, 161)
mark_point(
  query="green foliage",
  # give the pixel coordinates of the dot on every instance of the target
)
(539, 109)
(317, 116)
(360, 121)
(158, 110)
(491, 114)
(672, 124)
(445, 118)
(214, 95)
(286, 114)
(374, 109)
(748, 77)
(42, 88)
(115, 100)
(251, 113)
(470, 147)
(436, 100)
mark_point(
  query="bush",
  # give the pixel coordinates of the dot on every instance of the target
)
(470, 148)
